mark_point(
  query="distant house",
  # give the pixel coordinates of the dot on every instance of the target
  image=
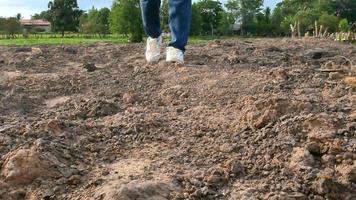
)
(37, 25)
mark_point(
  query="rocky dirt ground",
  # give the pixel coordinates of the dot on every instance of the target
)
(243, 119)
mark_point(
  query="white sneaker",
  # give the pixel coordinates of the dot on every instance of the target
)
(153, 49)
(175, 55)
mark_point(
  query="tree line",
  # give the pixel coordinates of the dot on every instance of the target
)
(209, 17)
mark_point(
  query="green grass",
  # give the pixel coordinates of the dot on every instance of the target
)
(75, 40)
(203, 39)
(33, 41)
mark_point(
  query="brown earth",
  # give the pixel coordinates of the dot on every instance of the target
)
(243, 119)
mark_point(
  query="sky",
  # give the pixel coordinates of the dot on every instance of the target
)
(27, 8)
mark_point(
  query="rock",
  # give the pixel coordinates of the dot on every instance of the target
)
(23, 166)
(301, 159)
(90, 67)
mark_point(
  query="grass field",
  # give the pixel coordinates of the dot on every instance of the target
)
(74, 40)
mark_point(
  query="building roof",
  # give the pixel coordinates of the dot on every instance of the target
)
(36, 22)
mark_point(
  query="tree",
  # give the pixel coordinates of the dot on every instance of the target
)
(65, 15)
(18, 16)
(248, 10)
(196, 23)
(341, 8)
(11, 26)
(210, 12)
(233, 7)
(306, 19)
(44, 15)
(95, 21)
(164, 16)
(329, 21)
(226, 22)
(125, 18)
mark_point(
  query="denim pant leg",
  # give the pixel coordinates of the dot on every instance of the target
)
(150, 10)
(180, 12)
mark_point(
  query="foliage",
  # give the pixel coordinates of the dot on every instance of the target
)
(65, 15)
(10, 26)
(196, 23)
(164, 16)
(344, 25)
(331, 22)
(125, 18)
(210, 12)
(95, 21)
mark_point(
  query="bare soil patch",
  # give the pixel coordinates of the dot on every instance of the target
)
(242, 119)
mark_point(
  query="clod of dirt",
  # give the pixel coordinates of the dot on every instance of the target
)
(102, 109)
(136, 190)
(23, 49)
(70, 50)
(350, 80)
(318, 53)
(74, 180)
(90, 67)
(23, 166)
(36, 51)
(348, 173)
(325, 185)
(131, 98)
(301, 159)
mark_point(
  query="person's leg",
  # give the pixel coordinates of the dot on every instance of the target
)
(150, 16)
(180, 12)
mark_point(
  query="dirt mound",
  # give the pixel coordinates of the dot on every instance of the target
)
(243, 119)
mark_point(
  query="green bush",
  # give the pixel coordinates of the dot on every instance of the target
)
(344, 25)
(329, 21)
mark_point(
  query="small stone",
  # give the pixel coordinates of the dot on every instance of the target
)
(105, 172)
(90, 67)
(180, 110)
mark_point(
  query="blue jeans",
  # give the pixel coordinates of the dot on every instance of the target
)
(180, 12)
